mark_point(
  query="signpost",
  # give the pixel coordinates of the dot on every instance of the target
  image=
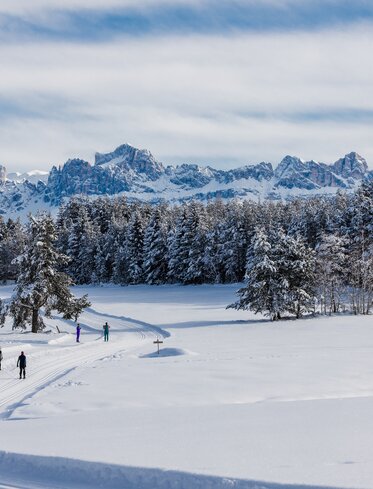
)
(158, 342)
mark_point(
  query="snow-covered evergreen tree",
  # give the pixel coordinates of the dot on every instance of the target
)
(12, 240)
(155, 250)
(360, 236)
(234, 242)
(265, 290)
(331, 256)
(40, 284)
(79, 237)
(193, 243)
(213, 261)
(134, 249)
(178, 253)
(106, 251)
(297, 269)
(279, 276)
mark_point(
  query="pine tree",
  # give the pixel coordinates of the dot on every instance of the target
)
(178, 254)
(194, 243)
(106, 251)
(280, 276)
(331, 257)
(12, 240)
(360, 235)
(234, 244)
(40, 284)
(297, 269)
(265, 290)
(214, 264)
(155, 250)
(134, 249)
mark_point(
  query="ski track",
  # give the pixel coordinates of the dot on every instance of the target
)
(54, 359)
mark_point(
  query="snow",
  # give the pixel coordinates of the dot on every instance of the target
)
(231, 401)
(33, 176)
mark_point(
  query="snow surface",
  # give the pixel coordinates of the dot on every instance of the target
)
(231, 401)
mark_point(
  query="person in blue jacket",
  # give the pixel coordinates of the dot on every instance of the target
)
(106, 331)
(22, 365)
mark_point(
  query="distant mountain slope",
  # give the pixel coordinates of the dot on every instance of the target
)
(137, 174)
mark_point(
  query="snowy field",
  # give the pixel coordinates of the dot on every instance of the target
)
(232, 401)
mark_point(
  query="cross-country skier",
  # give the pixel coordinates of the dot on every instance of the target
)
(22, 365)
(1, 357)
(106, 331)
(78, 328)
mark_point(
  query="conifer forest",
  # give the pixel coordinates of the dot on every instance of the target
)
(294, 257)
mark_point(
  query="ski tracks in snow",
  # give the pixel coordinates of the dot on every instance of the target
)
(52, 360)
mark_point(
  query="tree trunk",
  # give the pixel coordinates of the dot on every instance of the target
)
(35, 322)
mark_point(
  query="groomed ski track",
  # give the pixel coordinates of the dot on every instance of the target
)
(57, 355)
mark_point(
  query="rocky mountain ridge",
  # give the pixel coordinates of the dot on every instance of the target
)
(138, 175)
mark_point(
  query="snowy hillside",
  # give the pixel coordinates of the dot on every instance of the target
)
(232, 398)
(138, 175)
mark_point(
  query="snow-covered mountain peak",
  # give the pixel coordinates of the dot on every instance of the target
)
(351, 166)
(289, 165)
(126, 157)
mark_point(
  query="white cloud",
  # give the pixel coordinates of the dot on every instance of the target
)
(18, 7)
(21, 6)
(219, 99)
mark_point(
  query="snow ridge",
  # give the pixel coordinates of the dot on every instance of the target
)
(60, 472)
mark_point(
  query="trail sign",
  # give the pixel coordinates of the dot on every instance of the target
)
(158, 342)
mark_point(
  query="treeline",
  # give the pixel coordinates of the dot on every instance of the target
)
(297, 256)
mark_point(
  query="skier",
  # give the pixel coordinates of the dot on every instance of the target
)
(106, 331)
(1, 357)
(22, 365)
(78, 328)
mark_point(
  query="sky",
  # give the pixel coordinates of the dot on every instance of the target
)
(215, 82)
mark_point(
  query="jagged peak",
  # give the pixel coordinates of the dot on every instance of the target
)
(354, 158)
(125, 152)
(351, 165)
(289, 164)
(74, 161)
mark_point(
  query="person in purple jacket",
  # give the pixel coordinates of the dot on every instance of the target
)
(78, 328)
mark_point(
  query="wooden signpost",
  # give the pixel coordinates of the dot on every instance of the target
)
(158, 342)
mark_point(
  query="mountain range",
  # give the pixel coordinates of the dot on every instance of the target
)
(138, 175)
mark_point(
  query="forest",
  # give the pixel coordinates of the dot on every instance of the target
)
(294, 257)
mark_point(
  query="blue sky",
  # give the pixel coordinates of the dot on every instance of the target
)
(162, 18)
(214, 82)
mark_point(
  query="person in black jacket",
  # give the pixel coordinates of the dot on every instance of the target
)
(22, 365)
(1, 357)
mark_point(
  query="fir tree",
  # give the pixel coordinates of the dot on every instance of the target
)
(265, 289)
(12, 241)
(331, 259)
(193, 243)
(134, 249)
(155, 250)
(40, 284)
(178, 253)
(297, 269)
